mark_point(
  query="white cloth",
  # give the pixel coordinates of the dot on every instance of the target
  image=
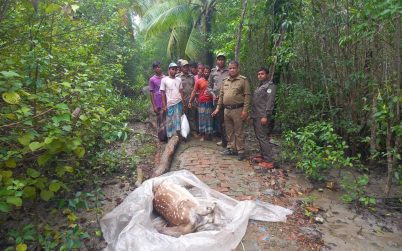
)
(130, 226)
(172, 87)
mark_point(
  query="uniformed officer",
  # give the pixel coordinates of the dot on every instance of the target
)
(187, 80)
(215, 80)
(261, 112)
(234, 98)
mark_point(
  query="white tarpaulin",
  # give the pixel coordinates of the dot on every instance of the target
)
(130, 226)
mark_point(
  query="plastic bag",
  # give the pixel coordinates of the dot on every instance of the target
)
(130, 226)
(185, 126)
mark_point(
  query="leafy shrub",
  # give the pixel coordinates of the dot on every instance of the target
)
(298, 106)
(355, 190)
(316, 148)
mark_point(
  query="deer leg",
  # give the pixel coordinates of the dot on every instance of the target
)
(176, 231)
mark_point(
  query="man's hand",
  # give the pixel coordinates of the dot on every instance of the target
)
(264, 121)
(155, 109)
(189, 105)
(244, 115)
(164, 109)
(215, 112)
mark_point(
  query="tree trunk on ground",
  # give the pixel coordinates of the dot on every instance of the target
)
(240, 31)
(167, 156)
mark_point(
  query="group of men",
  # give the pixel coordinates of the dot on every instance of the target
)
(222, 108)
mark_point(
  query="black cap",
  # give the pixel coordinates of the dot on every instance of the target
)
(156, 64)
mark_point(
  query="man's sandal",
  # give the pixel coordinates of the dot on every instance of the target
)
(266, 165)
(257, 159)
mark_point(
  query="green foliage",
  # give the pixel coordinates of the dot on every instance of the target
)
(294, 103)
(57, 100)
(66, 234)
(73, 238)
(183, 23)
(26, 234)
(355, 190)
(110, 161)
(316, 148)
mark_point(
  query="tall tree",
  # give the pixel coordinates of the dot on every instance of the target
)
(240, 30)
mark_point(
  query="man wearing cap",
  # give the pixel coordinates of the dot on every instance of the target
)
(172, 100)
(187, 80)
(156, 100)
(261, 112)
(215, 80)
(234, 99)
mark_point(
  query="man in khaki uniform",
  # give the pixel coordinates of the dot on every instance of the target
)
(218, 74)
(261, 113)
(187, 80)
(234, 98)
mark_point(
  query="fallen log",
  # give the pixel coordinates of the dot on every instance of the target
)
(167, 156)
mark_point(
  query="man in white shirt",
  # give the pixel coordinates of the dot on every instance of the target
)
(172, 99)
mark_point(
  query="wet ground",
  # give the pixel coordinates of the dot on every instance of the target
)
(336, 225)
(340, 226)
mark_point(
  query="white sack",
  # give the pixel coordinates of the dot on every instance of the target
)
(185, 126)
(129, 226)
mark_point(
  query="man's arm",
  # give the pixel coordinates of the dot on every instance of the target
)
(193, 94)
(247, 94)
(210, 80)
(162, 90)
(163, 101)
(151, 95)
(220, 103)
(270, 100)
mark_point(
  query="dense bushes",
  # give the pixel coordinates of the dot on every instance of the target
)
(57, 102)
(316, 148)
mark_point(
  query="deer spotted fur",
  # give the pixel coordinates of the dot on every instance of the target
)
(180, 209)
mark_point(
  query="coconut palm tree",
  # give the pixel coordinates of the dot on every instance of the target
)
(186, 24)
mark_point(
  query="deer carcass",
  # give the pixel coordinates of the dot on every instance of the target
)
(180, 209)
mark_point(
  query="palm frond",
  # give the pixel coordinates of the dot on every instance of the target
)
(171, 44)
(163, 16)
(195, 45)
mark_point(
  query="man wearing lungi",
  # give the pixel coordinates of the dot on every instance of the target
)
(172, 99)
(156, 100)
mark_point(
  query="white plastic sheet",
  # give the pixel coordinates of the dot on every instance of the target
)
(185, 126)
(130, 226)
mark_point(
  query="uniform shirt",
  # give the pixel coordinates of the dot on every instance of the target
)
(215, 80)
(172, 87)
(154, 85)
(188, 84)
(201, 86)
(235, 91)
(263, 100)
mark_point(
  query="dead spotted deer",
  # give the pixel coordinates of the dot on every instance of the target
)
(180, 209)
